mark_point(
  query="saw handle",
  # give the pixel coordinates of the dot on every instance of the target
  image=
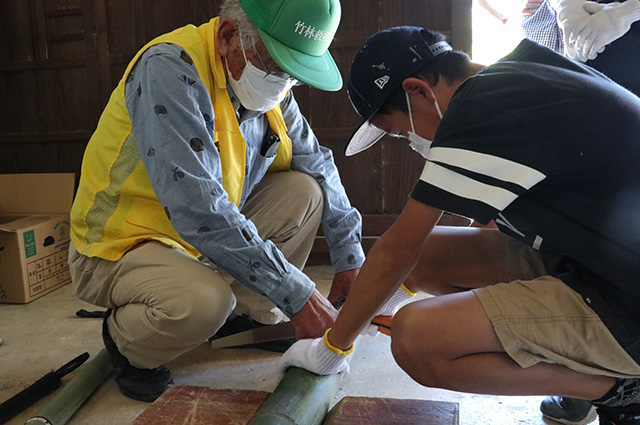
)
(383, 323)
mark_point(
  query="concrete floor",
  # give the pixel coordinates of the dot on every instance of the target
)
(45, 334)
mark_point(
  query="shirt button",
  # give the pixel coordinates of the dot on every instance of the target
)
(588, 300)
(287, 301)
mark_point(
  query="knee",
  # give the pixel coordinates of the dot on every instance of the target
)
(411, 347)
(403, 337)
(307, 188)
(206, 311)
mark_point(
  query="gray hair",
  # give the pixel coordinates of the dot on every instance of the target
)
(249, 32)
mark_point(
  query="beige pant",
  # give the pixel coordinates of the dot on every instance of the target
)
(165, 302)
(538, 318)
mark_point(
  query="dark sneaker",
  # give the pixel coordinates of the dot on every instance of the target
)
(236, 324)
(138, 384)
(569, 411)
(628, 415)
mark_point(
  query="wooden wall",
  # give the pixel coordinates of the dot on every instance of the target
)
(60, 60)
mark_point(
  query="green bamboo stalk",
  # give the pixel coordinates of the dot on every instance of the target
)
(86, 380)
(301, 398)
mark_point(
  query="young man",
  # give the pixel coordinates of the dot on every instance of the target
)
(203, 154)
(545, 147)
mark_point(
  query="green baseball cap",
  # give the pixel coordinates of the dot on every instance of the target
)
(297, 34)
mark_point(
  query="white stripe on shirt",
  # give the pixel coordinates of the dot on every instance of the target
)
(466, 187)
(488, 165)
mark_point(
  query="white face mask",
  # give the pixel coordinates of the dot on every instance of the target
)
(257, 90)
(417, 142)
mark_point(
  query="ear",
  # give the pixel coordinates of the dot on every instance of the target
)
(227, 28)
(419, 87)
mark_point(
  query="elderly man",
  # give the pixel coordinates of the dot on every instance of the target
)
(548, 150)
(201, 167)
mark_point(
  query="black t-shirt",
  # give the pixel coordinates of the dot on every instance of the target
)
(620, 60)
(550, 150)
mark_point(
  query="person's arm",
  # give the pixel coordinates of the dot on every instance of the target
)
(493, 11)
(390, 261)
(531, 6)
(388, 264)
(341, 222)
(172, 119)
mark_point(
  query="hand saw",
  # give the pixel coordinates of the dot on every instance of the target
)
(280, 331)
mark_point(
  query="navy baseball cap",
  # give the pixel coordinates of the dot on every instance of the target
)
(385, 60)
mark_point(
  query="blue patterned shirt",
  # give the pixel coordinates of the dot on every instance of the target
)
(173, 122)
(542, 27)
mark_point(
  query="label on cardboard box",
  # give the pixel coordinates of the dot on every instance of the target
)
(29, 243)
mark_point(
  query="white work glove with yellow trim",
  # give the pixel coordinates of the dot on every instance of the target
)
(317, 356)
(390, 308)
(607, 23)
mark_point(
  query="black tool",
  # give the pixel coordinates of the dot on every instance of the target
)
(39, 389)
(89, 314)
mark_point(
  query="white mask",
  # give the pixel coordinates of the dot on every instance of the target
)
(257, 90)
(417, 142)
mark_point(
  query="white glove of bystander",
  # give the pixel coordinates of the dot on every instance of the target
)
(317, 356)
(572, 18)
(391, 307)
(607, 23)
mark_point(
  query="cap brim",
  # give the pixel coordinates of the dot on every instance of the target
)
(317, 71)
(363, 138)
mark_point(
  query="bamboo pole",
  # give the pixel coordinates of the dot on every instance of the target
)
(86, 380)
(301, 398)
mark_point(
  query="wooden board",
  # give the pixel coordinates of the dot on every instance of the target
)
(387, 411)
(208, 406)
(202, 406)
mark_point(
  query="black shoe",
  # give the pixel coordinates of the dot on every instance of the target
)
(236, 324)
(138, 384)
(628, 415)
(569, 411)
(144, 384)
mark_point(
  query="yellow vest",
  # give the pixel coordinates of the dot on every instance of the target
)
(115, 206)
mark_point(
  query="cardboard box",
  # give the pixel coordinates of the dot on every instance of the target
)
(34, 234)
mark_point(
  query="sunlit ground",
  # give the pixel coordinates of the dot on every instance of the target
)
(491, 38)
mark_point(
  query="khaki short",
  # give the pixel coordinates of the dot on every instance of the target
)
(544, 320)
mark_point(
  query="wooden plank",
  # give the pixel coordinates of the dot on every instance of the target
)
(202, 406)
(17, 43)
(388, 411)
(461, 34)
(59, 136)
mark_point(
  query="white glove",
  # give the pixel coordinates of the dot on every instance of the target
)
(391, 307)
(593, 7)
(607, 23)
(317, 356)
(572, 18)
